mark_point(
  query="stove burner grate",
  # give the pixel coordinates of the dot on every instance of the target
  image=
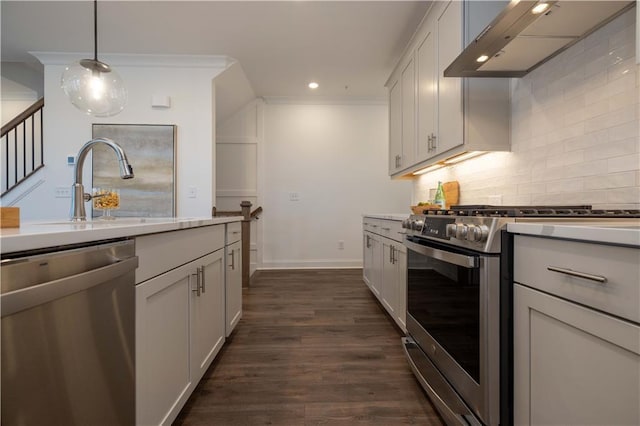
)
(533, 211)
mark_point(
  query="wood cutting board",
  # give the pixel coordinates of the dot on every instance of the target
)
(451, 193)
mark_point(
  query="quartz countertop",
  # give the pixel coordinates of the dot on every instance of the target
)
(624, 232)
(44, 234)
(388, 216)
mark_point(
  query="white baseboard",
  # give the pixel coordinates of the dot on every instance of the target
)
(314, 264)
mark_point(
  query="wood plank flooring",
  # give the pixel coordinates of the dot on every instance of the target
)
(313, 348)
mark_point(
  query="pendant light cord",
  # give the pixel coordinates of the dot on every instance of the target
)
(95, 30)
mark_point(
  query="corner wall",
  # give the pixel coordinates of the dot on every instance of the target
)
(334, 158)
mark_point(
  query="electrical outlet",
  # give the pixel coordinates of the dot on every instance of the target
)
(192, 192)
(294, 196)
(63, 192)
(340, 245)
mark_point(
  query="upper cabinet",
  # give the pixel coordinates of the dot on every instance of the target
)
(432, 117)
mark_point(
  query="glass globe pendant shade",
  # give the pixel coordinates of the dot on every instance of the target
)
(94, 88)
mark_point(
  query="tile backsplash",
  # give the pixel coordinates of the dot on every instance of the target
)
(574, 132)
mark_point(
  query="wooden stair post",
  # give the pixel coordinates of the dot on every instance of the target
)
(246, 242)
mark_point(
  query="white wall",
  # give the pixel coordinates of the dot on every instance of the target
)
(574, 132)
(186, 80)
(335, 158)
(15, 99)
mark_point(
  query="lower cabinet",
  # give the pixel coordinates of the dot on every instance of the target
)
(385, 270)
(207, 311)
(180, 317)
(179, 331)
(233, 286)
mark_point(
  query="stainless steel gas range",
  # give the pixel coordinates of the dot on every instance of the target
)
(457, 307)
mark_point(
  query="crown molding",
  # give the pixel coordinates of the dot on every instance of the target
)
(139, 60)
(293, 100)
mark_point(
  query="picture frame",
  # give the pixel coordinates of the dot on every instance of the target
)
(151, 151)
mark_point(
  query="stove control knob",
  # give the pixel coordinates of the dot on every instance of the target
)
(462, 231)
(418, 224)
(478, 234)
(406, 224)
(450, 230)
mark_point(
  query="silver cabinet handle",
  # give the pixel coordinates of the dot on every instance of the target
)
(591, 277)
(386, 229)
(197, 278)
(433, 141)
(233, 259)
(202, 280)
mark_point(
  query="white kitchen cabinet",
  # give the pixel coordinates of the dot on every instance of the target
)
(164, 379)
(576, 337)
(180, 317)
(395, 126)
(384, 266)
(427, 76)
(451, 115)
(207, 311)
(233, 286)
(450, 100)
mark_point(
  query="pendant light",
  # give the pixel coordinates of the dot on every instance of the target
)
(92, 86)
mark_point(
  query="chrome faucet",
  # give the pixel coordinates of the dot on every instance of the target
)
(78, 196)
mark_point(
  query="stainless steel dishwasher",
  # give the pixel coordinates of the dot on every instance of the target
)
(68, 323)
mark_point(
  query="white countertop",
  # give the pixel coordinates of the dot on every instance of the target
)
(36, 235)
(388, 216)
(621, 232)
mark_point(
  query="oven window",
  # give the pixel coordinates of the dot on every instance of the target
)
(445, 300)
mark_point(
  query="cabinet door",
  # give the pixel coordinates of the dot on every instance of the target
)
(367, 258)
(233, 286)
(395, 127)
(408, 115)
(163, 377)
(427, 97)
(573, 365)
(376, 271)
(450, 105)
(401, 286)
(388, 291)
(207, 311)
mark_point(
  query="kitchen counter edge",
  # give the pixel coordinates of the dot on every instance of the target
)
(388, 216)
(625, 234)
(39, 235)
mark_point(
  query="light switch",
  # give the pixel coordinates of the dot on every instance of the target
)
(294, 196)
(192, 192)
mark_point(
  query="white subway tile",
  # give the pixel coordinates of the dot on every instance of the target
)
(532, 188)
(589, 168)
(623, 163)
(623, 131)
(564, 185)
(623, 195)
(612, 149)
(611, 180)
(587, 140)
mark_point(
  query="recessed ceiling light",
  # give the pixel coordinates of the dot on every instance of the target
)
(313, 85)
(482, 58)
(539, 8)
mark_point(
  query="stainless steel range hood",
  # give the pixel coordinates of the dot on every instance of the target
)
(518, 40)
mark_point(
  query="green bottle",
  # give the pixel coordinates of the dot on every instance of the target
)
(439, 198)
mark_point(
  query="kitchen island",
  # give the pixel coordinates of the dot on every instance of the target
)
(45, 234)
(182, 301)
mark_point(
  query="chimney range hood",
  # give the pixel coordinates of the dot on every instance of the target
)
(521, 37)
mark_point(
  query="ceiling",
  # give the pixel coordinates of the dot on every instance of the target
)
(348, 47)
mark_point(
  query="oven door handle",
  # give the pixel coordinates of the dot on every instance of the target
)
(445, 256)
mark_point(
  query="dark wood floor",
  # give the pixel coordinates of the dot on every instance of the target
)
(312, 348)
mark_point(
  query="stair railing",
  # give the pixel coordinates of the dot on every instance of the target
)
(22, 147)
(246, 234)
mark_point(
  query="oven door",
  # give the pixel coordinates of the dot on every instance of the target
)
(453, 316)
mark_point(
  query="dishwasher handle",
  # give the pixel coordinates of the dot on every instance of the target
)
(25, 298)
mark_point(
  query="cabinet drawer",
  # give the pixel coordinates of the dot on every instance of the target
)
(385, 227)
(618, 295)
(162, 252)
(234, 232)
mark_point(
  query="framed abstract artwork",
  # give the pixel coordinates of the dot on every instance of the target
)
(151, 150)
